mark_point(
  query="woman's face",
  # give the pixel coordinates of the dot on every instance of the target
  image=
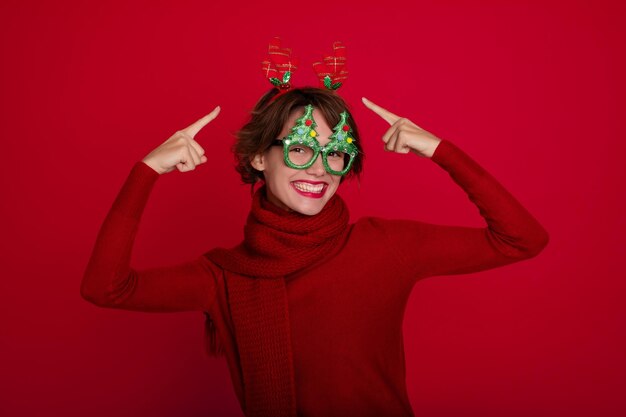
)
(303, 190)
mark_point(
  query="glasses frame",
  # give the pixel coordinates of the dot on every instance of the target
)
(332, 146)
(304, 133)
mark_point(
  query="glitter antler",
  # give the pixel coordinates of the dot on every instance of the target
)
(332, 71)
(279, 65)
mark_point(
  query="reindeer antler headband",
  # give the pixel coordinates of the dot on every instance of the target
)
(279, 66)
(301, 147)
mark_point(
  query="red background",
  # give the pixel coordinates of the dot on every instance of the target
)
(534, 91)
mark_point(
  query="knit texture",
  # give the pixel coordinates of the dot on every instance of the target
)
(346, 312)
(276, 243)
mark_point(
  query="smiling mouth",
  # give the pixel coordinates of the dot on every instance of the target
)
(310, 190)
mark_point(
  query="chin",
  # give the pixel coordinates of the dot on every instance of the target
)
(308, 203)
(310, 211)
(305, 205)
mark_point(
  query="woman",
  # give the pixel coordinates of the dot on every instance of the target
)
(308, 309)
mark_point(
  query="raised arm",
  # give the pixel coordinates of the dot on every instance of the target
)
(109, 280)
(512, 233)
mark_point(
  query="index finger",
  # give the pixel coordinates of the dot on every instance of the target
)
(384, 113)
(195, 127)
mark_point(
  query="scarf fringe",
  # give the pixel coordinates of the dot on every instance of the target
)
(211, 341)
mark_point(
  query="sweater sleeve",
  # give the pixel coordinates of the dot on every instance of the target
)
(109, 280)
(512, 233)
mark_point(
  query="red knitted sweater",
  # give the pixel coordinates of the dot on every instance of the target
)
(345, 314)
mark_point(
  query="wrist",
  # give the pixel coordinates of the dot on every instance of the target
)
(433, 147)
(152, 165)
(429, 149)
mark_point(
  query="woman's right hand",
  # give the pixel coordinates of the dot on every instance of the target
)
(181, 150)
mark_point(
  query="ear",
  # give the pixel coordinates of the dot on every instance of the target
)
(258, 162)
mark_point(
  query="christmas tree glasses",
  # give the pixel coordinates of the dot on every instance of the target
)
(301, 148)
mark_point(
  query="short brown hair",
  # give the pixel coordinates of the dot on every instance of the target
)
(267, 121)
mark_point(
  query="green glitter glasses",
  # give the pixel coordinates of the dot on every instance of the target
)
(301, 148)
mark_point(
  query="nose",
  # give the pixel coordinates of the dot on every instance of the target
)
(317, 168)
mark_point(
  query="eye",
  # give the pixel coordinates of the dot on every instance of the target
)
(336, 154)
(297, 149)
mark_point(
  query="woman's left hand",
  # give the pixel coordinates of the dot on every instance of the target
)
(404, 135)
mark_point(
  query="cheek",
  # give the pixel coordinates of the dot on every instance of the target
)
(274, 167)
(335, 183)
(279, 173)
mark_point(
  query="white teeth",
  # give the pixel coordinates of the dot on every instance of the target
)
(309, 188)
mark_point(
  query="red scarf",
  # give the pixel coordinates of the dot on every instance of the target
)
(276, 243)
